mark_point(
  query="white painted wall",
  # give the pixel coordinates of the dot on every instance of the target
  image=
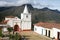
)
(26, 21)
(4, 29)
(51, 33)
(44, 31)
(38, 29)
(13, 21)
(26, 25)
(41, 30)
(54, 32)
(23, 17)
(8, 18)
(23, 24)
(47, 32)
(18, 23)
(10, 23)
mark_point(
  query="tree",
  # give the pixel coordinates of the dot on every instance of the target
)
(10, 29)
(16, 36)
(1, 33)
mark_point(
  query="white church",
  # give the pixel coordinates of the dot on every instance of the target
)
(19, 24)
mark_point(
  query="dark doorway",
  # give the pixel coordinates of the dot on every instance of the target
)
(32, 28)
(58, 36)
(46, 32)
(49, 34)
(16, 28)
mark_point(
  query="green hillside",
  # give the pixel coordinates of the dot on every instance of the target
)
(45, 14)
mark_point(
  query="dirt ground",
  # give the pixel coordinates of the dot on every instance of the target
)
(30, 35)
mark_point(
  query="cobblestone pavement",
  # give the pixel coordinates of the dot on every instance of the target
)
(30, 35)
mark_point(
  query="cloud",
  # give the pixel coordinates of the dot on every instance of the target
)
(9, 0)
(13, 3)
(20, 2)
(35, 3)
(4, 3)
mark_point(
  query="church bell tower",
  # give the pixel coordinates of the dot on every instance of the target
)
(26, 19)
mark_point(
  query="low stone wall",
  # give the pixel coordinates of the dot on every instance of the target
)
(5, 38)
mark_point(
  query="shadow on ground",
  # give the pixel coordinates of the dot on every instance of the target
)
(24, 37)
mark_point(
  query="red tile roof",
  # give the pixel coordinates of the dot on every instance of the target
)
(48, 25)
(10, 16)
(4, 22)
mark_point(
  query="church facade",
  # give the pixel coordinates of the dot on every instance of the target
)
(20, 24)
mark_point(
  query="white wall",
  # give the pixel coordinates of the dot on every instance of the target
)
(10, 23)
(8, 18)
(44, 31)
(41, 30)
(54, 32)
(4, 29)
(23, 16)
(47, 32)
(38, 29)
(26, 25)
(18, 23)
(13, 21)
(51, 34)
(26, 21)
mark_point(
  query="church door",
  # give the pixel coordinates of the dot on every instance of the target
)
(16, 28)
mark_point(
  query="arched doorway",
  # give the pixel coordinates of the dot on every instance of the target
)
(16, 27)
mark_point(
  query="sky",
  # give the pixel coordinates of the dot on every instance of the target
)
(52, 4)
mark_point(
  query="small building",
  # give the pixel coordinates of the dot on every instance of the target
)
(4, 26)
(51, 30)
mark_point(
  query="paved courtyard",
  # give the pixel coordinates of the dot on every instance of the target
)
(30, 35)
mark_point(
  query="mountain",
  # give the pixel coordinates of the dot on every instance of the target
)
(44, 14)
(4, 8)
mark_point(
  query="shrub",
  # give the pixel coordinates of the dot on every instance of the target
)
(9, 29)
(1, 33)
(16, 37)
